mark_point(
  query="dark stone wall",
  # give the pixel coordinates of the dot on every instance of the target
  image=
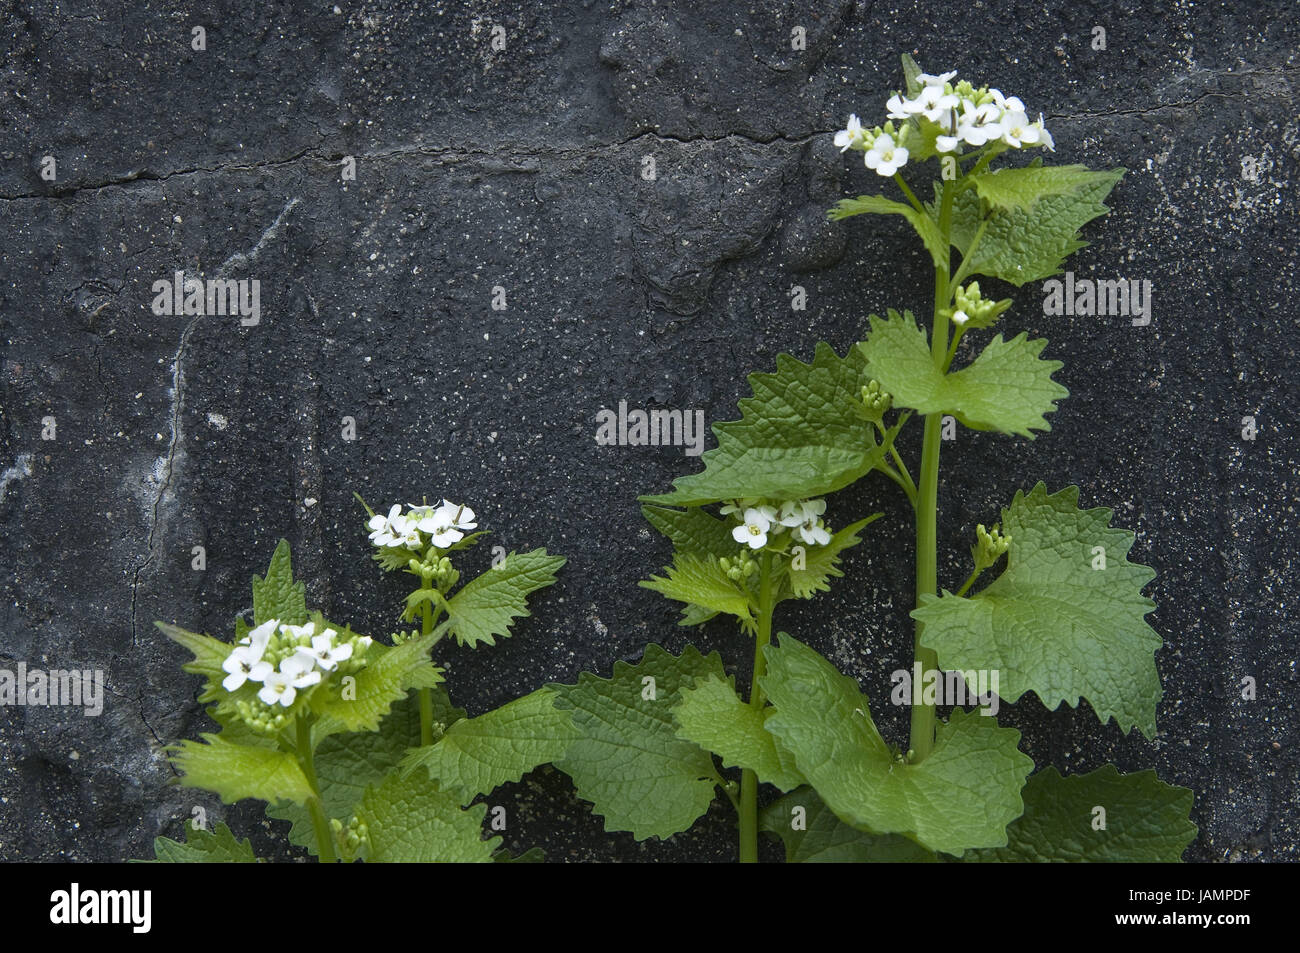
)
(521, 169)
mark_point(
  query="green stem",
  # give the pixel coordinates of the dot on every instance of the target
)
(927, 502)
(922, 731)
(749, 780)
(970, 581)
(319, 822)
(968, 259)
(911, 197)
(426, 694)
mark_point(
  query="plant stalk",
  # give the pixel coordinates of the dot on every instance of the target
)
(426, 694)
(319, 822)
(748, 779)
(921, 739)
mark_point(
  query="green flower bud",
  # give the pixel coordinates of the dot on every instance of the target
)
(876, 400)
(990, 546)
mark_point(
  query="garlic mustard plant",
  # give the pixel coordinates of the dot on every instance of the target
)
(1063, 618)
(355, 741)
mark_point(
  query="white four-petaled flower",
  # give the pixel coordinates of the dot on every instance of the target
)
(754, 526)
(1017, 131)
(393, 530)
(326, 654)
(243, 664)
(849, 136)
(884, 156)
(301, 669)
(796, 512)
(814, 533)
(446, 524)
(278, 689)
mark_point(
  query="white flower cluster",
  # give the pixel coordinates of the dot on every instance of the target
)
(445, 524)
(302, 655)
(954, 114)
(758, 520)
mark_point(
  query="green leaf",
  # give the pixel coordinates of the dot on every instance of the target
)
(1018, 189)
(346, 764)
(408, 820)
(804, 433)
(1020, 245)
(389, 673)
(276, 595)
(963, 795)
(203, 847)
(209, 654)
(1007, 388)
(924, 225)
(1146, 820)
(704, 583)
(812, 834)
(695, 615)
(628, 760)
(234, 772)
(692, 530)
(485, 607)
(820, 563)
(713, 716)
(534, 855)
(478, 754)
(1051, 623)
(911, 76)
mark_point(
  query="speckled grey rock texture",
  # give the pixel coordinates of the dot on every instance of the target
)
(522, 169)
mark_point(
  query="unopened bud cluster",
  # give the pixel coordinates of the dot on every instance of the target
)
(877, 400)
(740, 568)
(990, 545)
(972, 310)
(350, 836)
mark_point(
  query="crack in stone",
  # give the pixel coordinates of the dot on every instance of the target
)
(237, 259)
(1144, 111)
(144, 175)
(437, 152)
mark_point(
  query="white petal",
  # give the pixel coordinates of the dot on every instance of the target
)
(233, 680)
